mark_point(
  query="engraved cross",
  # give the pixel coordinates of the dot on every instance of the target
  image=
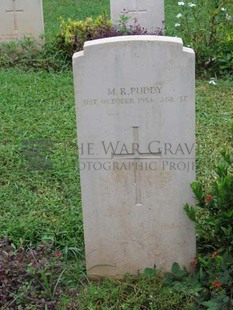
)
(14, 11)
(136, 156)
(136, 10)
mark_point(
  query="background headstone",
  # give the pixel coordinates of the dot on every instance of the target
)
(19, 18)
(148, 13)
(135, 118)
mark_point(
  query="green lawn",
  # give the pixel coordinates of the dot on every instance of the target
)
(45, 204)
(74, 9)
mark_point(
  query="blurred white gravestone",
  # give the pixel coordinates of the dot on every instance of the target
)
(135, 121)
(20, 18)
(149, 14)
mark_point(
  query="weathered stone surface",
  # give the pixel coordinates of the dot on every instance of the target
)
(148, 13)
(135, 122)
(19, 18)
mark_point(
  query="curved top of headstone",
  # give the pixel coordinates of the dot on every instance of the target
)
(132, 39)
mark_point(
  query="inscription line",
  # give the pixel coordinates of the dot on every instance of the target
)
(137, 10)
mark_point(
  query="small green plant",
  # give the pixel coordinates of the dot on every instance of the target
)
(29, 277)
(28, 54)
(73, 34)
(213, 214)
(207, 26)
(211, 286)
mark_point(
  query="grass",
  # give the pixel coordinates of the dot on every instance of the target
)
(45, 204)
(32, 106)
(74, 9)
(139, 293)
(213, 114)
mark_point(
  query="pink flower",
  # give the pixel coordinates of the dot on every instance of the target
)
(213, 255)
(57, 254)
(208, 198)
(194, 262)
(216, 284)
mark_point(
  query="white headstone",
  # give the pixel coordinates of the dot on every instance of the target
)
(148, 13)
(135, 123)
(19, 18)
